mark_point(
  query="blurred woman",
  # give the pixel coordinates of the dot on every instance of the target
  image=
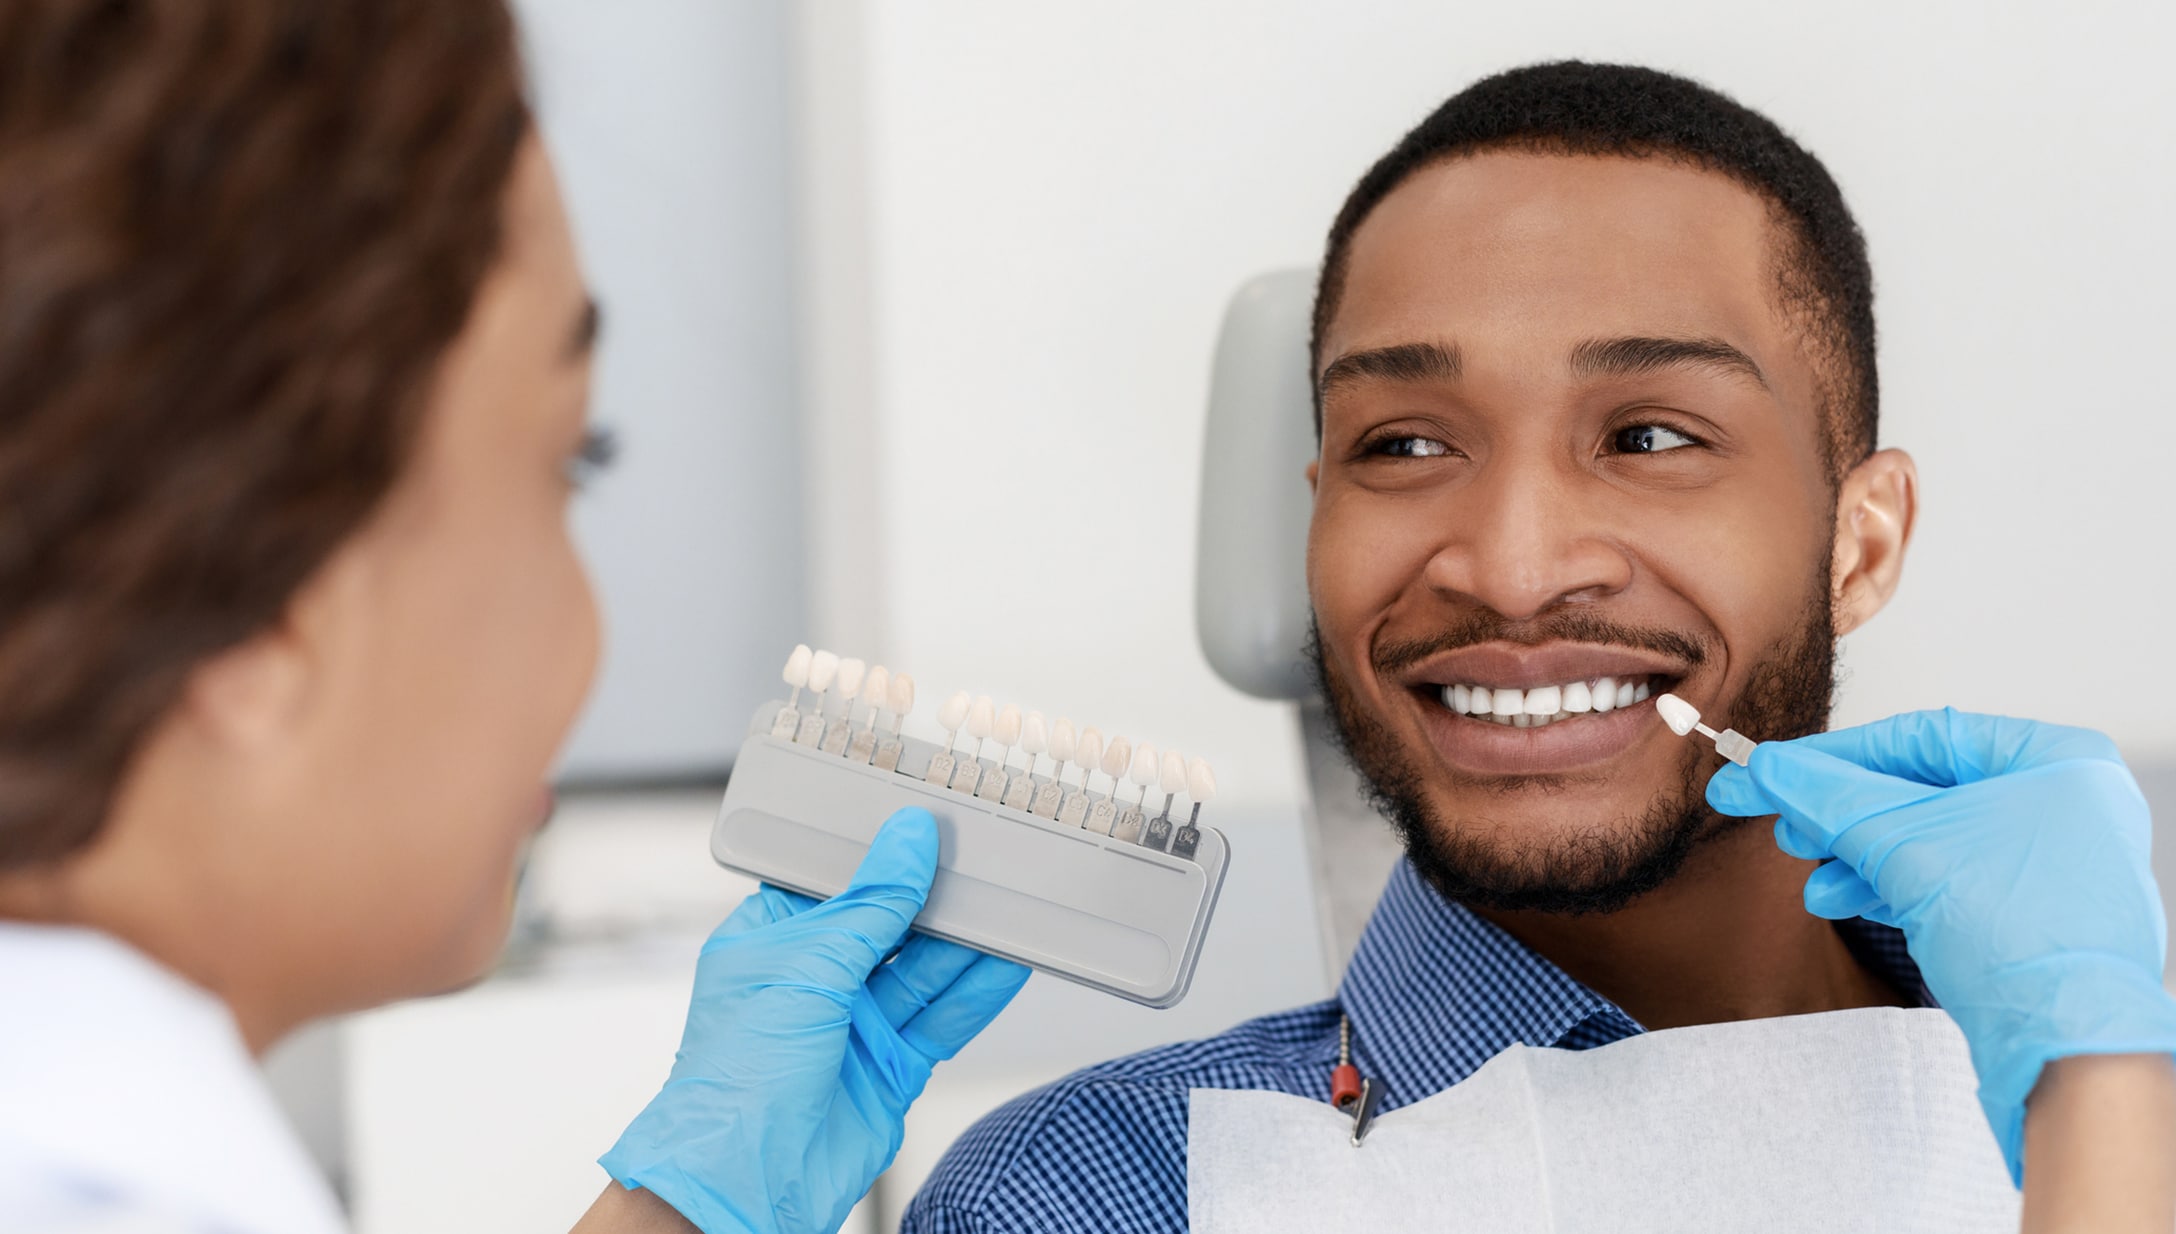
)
(294, 365)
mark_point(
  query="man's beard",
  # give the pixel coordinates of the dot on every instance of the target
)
(1610, 862)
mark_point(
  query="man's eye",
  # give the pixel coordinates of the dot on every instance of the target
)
(1650, 439)
(1408, 447)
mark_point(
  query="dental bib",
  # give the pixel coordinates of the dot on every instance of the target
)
(1859, 1120)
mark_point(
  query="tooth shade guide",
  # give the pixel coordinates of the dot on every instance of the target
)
(859, 737)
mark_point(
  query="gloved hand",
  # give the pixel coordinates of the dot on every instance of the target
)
(803, 1047)
(2012, 855)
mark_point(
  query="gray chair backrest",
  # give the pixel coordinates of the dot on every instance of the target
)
(1250, 584)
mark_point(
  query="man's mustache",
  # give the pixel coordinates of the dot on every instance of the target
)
(1487, 626)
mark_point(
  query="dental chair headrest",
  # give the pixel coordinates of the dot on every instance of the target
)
(1250, 578)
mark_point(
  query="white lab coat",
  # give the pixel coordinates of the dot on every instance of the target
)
(129, 1104)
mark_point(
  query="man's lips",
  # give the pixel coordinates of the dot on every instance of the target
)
(1501, 709)
(1512, 666)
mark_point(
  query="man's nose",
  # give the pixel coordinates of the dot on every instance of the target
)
(1521, 540)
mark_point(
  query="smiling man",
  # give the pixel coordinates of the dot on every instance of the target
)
(1594, 359)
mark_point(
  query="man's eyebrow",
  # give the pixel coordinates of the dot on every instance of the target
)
(1623, 357)
(583, 338)
(1405, 362)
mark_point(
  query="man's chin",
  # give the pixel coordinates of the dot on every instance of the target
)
(1561, 854)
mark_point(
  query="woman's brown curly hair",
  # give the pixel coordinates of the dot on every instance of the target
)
(236, 237)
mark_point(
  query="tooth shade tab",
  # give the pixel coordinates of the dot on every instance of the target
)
(1142, 770)
(1034, 733)
(1172, 776)
(1088, 751)
(850, 674)
(1062, 738)
(954, 712)
(1200, 781)
(901, 695)
(876, 686)
(797, 666)
(981, 717)
(1007, 728)
(822, 667)
(1680, 715)
(1578, 698)
(1730, 743)
(1115, 757)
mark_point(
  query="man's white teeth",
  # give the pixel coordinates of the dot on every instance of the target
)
(1544, 705)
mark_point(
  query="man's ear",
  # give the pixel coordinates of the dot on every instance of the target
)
(1875, 508)
(1314, 469)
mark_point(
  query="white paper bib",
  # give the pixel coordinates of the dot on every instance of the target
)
(1848, 1121)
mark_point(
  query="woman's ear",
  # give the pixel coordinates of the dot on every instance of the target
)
(249, 695)
(268, 687)
(1875, 508)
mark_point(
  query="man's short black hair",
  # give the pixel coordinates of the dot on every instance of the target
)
(1571, 107)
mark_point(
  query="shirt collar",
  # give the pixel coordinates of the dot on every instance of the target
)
(1434, 991)
(119, 1077)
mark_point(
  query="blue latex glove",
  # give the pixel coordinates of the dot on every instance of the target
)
(2012, 855)
(803, 1047)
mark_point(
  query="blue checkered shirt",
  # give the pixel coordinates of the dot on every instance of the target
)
(1433, 992)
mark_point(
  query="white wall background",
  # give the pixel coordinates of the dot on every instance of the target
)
(1060, 197)
(667, 119)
